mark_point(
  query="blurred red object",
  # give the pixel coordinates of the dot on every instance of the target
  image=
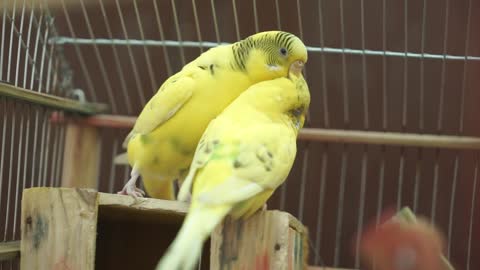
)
(398, 245)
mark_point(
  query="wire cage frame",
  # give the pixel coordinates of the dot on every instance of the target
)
(400, 66)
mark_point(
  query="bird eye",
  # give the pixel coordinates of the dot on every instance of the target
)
(283, 51)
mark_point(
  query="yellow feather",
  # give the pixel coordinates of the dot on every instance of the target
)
(243, 156)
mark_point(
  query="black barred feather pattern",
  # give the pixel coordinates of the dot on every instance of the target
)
(270, 44)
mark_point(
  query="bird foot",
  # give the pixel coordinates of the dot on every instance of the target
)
(130, 187)
(264, 207)
(132, 190)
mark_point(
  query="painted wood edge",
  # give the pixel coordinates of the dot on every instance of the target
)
(9, 250)
(51, 101)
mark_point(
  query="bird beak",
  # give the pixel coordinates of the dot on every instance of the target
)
(296, 68)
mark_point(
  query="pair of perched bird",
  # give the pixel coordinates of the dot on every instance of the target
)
(249, 100)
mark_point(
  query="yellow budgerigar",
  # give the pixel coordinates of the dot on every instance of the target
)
(243, 156)
(161, 145)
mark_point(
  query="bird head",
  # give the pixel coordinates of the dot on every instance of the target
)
(269, 55)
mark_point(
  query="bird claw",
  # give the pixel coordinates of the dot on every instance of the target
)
(132, 190)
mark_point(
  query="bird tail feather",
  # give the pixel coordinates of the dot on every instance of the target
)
(184, 252)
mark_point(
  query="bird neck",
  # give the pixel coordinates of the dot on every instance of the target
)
(281, 102)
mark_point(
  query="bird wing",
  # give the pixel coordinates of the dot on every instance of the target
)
(257, 161)
(173, 94)
(203, 153)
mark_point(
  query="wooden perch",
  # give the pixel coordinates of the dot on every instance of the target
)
(50, 4)
(51, 101)
(324, 135)
(389, 138)
(99, 120)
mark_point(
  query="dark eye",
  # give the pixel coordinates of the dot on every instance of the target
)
(283, 51)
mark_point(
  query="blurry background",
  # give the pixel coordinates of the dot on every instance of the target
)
(377, 65)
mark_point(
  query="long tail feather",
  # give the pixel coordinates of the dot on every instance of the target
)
(185, 251)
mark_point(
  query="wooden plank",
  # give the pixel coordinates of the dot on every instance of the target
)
(51, 101)
(328, 135)
(9, 250)
(81, 157)
(268, 240)
(59, 228)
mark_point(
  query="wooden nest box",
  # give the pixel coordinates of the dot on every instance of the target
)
(81, 229)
